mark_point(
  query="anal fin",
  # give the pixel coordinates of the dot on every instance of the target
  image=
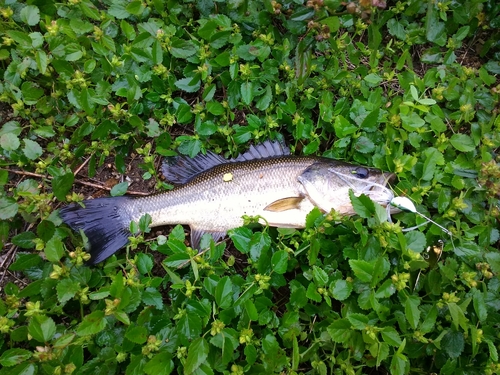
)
(196, 235)
(284, 204)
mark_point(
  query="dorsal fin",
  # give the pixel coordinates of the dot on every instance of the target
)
(182, 169)
(267, 149)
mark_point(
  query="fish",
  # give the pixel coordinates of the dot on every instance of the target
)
(212, 194)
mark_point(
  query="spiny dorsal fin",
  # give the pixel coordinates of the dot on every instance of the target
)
(284, 204)
(267, 149)
(182, 169)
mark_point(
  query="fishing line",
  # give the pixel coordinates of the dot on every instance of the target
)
(405, 204)
(401, 203)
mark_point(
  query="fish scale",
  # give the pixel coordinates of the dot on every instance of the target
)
(212, 194)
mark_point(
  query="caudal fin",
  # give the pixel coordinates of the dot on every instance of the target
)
(104, 221)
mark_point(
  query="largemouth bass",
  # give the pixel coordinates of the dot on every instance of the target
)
(212, 194)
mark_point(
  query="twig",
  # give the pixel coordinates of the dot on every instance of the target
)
(9, 256)
(81, 166)
(97, 186)
(24, 173)
(31, 174)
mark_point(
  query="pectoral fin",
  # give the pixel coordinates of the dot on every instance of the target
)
(284, 204)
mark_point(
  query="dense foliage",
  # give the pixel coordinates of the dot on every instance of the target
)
(410, 87)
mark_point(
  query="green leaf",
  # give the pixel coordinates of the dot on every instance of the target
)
(42, 328)
(9, 142)
(279, 261)
(312, 293)
(478, 300)
(341, 289)
(30, 15)
(492, 258)
(12, 357)
(119, 189)
(135, 7)
(265, 100)
(206, 128)
(364, 145)
(54, 249)
(32, 149)
(20, 38)
(412, 121)
(493, 350)
(25, 261)
(429, 321)
(31, 92)
(160, 364)
(415, 241)
(66, 289)
(362, 269)
(453, 344)
(176, 260)
(93, 323)
(197, 354)
(312, 216)
(61, 185)
(302, 14)
(340, 330)
(215, 108)
(358, 321)
(457, 316)
(492, 67)
(259, 243)
(362, 205)
(183, 113)
(343, 127)
(45, 230)
(320, 277)
(223, 293)
(333, 23)
(241, 238)
(373, 79)
(152, 297)
(188, 84)
(435, 30)
(144, 263)
(137, 334)
(303, 61)
(400, 365)
(412, 311)
(432, 158)
(183, 48)
(24, 240)
(391, 336)
(462, 142)
(247, 92)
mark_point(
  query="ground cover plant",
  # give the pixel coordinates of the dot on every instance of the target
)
(92, 91)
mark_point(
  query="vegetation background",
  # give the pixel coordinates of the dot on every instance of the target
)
(95, 93)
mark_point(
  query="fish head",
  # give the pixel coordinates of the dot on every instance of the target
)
(327, 184)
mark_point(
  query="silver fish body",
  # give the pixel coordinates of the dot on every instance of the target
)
(212, 195)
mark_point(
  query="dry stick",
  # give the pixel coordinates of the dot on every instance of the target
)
(31, 174)
(8, 259)
(81, 166)
(9, 256)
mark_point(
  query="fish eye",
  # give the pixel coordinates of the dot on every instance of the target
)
(361, 172)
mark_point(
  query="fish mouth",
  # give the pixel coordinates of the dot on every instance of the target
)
(380, 191)
(377, 189)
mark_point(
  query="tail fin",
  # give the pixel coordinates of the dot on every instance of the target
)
(104, 221)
